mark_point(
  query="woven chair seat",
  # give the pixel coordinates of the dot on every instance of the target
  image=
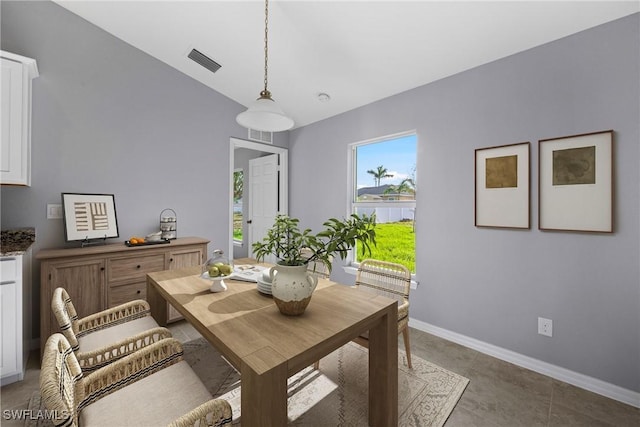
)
(403, 310)
(104, 337)
(115, 333)
(155, 400)
(403, 319)
(153, 386)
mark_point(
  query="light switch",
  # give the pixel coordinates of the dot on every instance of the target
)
(54, 211)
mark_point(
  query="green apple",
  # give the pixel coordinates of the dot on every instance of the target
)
(214, 271)
(225, 269)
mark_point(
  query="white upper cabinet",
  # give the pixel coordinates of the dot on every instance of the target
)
(15, 155)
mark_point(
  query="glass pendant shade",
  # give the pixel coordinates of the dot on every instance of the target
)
(265, 115)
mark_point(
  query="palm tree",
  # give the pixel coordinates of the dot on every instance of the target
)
(238, 185)
(379, 173)
(406, 186)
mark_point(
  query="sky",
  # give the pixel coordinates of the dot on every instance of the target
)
(398, 156)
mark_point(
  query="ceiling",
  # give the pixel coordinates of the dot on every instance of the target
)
(357, 52)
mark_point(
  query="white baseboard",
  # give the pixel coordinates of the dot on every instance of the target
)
(595, 385)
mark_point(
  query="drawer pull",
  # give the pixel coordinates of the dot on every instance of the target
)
(138, 292)
(138, 266)
(170, 259)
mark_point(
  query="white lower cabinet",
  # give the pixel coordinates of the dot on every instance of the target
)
(12, 338)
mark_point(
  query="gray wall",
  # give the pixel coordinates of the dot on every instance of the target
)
(108, 118)
(492, 284)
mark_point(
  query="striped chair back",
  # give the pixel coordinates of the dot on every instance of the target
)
(66, 315)
(317, 268)
(385, 278)
(59, 376)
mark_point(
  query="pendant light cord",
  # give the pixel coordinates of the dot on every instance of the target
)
(266, 45)
(264, 114)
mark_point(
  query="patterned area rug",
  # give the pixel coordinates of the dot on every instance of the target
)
(335, 395)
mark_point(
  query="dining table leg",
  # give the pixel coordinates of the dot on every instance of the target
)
(383, 370)
(157, 303)
(263, 393)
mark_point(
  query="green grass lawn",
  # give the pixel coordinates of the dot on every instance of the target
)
(396, 243)
(237, 226)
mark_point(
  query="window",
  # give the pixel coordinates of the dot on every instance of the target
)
(384, 182)
(238, 187)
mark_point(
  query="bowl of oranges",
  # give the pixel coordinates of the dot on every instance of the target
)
(134, 241)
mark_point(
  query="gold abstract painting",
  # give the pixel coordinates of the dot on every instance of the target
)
(501, 172)
(574, 166)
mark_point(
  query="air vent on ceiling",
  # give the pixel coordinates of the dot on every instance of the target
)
(261, 136)
(204, 60)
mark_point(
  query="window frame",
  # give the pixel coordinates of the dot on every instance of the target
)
(351, 265)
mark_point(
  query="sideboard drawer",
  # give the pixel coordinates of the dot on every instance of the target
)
(134, 268)
(125, 293)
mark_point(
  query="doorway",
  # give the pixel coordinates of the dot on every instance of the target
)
(241, 153)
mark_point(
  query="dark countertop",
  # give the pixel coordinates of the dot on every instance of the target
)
(16, 241)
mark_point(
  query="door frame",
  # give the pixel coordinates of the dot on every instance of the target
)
(283, 180)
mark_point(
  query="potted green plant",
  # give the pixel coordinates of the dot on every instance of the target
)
(292, 286)
(293, 247)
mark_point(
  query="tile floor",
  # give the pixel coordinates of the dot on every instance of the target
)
(499, 394)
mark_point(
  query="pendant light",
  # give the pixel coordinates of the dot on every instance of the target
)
(264, 114)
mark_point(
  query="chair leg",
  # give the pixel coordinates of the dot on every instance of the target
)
(316, 365)
(407, 345)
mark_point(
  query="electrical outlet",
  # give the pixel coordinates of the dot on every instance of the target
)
(54, 211)
(545, 326)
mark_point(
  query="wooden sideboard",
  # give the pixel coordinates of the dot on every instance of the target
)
(99, 277)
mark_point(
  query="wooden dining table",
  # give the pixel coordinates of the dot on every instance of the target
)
(267, 347)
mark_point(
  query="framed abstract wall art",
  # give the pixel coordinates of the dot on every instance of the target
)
(502, 186)
(89, 216)
(575, 183)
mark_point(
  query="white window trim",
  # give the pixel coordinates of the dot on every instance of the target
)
(350, 265)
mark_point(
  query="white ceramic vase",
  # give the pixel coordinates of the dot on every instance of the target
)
(292, 288)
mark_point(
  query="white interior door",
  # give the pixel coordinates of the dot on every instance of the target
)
(263, 199)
